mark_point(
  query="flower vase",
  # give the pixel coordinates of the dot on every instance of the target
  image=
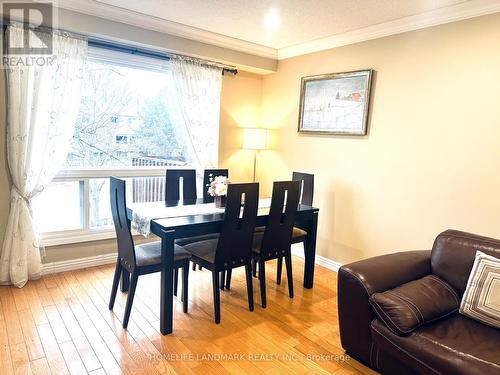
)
(220, 201)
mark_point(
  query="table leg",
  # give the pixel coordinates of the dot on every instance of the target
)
(310, 252)
(167, 287)
(125, 281)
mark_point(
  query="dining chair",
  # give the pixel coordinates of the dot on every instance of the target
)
(306, 198)
(275, 241)
(233, 248)
(172, 184)
(207, 198)
(139, 259)
(207, 175)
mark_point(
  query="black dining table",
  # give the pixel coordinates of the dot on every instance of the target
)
(171, 228)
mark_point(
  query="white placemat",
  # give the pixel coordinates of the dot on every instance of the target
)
(143, 213)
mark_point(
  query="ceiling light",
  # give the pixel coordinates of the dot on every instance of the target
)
(272, 19)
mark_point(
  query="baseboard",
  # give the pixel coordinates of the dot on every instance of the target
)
(98, 260)
(298, 251)
(75, 264)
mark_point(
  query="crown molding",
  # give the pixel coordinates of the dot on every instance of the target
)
(470, 9)
(462, 11)
(119, 14)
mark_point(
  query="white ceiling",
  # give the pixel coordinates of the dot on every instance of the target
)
(304, 25)
(301, 20)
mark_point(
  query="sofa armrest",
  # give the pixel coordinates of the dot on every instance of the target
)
(358, 281)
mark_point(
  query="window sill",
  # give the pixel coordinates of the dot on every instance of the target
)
(68, 238)
(59, 239)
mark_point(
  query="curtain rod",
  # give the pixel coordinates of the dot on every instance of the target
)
(102, 43)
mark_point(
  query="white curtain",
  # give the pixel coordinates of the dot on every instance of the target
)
(197, 89)
(42, 105)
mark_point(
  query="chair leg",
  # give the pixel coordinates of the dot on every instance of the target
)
(289, 274)
(116, 281)
(176, 280)
(130, 298)
(254, 268)
(216, 290)
(228, 278)
(125, 281)
(222, 279)
(248, 273)
(194, 266)
(185, 277)
(278, 272)
(262, 280)
(200, 267)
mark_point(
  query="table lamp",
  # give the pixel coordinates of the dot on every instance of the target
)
(254, 139)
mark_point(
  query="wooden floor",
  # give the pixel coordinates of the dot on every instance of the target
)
(61, 325)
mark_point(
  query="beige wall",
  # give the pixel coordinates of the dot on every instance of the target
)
(240, 107)
(431, 160)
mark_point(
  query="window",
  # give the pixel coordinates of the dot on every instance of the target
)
(124, 128)
(124, 102)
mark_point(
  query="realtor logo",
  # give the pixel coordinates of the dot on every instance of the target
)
(36, 20)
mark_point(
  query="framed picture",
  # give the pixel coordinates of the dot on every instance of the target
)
(335, 103)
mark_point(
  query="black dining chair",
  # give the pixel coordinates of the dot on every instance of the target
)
(275, 241)
(141, 259)
(207, 198)
(233, 248)
(306, 198)
(306, 187)
(207, 175)
(172, 184)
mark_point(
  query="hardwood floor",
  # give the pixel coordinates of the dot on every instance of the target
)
(61, 324)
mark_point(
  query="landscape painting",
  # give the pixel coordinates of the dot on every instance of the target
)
(335, 103)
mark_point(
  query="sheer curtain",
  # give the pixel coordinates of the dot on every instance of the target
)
(42, 105)
(197, 89)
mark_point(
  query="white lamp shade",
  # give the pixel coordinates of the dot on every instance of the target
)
(254, 138)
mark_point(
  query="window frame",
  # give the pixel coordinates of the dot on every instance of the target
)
(87, 234)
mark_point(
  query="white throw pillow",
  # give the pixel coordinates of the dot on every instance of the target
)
(481, 300)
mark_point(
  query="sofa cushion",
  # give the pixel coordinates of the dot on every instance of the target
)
(455, 345)
(481, 300)
(453, 254)
(415, 303)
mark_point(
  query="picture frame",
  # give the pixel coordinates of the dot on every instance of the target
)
(335, 103)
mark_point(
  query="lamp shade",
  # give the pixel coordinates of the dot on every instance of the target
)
(254, 138)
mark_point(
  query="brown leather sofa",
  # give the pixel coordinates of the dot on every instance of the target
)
(453, 344)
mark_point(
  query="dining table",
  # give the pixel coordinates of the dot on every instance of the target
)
(171, 220)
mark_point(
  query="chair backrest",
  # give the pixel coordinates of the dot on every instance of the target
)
(278, 233)
(235, 242)
(124, 238)
(207, 175)
(307, 187)
(172, 182)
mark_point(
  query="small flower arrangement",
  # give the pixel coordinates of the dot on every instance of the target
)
(218, 186)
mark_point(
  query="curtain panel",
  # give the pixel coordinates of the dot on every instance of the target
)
(197, 88)
(42, 105)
